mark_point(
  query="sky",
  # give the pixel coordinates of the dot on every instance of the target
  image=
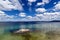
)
(29, 10)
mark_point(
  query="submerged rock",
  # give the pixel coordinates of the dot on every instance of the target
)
(22, 31)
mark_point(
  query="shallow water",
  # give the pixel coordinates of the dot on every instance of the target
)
(46, 31)
(45, 26)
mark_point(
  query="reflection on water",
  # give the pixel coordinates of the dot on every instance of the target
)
(48, 26)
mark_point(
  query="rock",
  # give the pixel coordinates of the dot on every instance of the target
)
(22, 31)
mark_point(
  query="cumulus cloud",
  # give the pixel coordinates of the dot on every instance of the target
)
(43, 2)
(46, 1)
(5, 17)
(22, 14)
(9, 5)
(31, 0)
(57, 6)
(48, 16)
(2, 13)
(40, 3)
(40, 10)
(38, 15)
(15, 5)
(29, 17)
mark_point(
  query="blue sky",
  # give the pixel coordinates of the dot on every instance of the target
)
(29, 10)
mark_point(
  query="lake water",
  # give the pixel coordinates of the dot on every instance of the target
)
(44, 26)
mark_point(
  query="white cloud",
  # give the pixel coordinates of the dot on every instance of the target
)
(17, 4)
(43, 2)
(5, 17)
(51, 16)
(10, 16)
(46, 1)
(38, 15)
(2, 13)
(47, 16)
(29, 17)
(40, 3)
(22, 14)
(40, 10)
(14, 4)
(57, 6)
(9, 5)
(31, 0)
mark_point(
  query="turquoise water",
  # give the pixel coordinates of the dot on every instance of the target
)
(46, 26)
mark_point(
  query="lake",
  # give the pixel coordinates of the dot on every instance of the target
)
(42, 26)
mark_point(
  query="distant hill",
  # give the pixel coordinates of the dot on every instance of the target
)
(55, 21)
(29, 21)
